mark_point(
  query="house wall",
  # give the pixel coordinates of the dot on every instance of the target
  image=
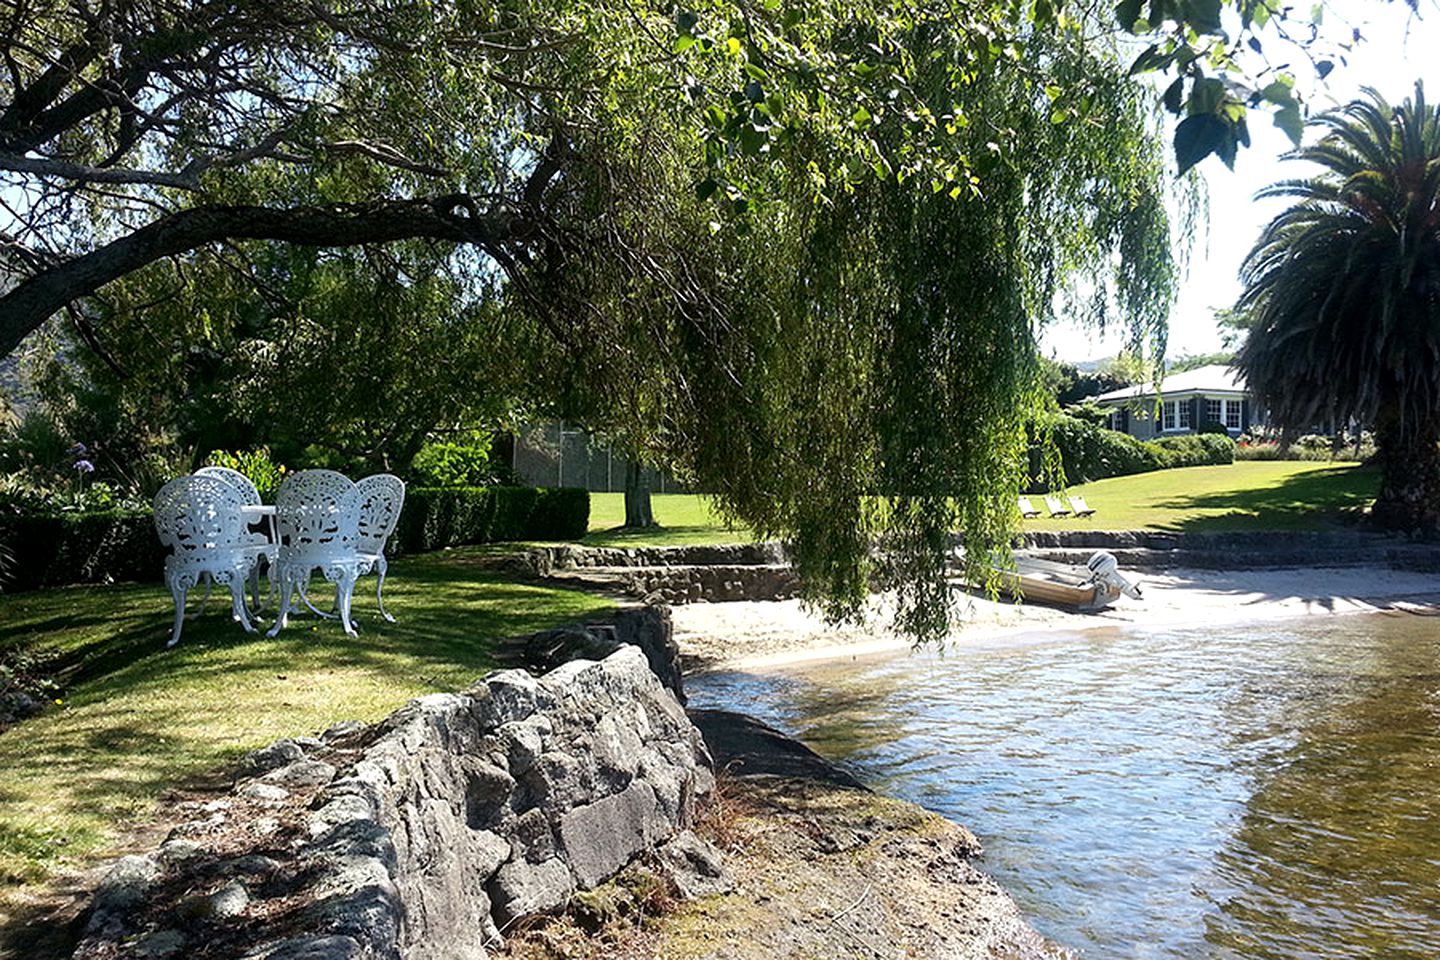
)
(1142, 419)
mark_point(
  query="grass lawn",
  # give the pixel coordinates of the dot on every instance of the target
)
(1246, 495)
(137, 719)
(683, 519)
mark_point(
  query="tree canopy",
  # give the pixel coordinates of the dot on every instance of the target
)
(799, 252)
(1343, 294)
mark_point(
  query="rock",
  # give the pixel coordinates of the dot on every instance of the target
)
(602, 837)
(161, 944)
(177, 850)
(19, 705)
(520, 888)
(455, 816)
(230, 900)
(343, 731)
(127, 883)
(264, 791)
(302, 773)
(694, 866)
(255, 865)
(278, 754)
(312, 948)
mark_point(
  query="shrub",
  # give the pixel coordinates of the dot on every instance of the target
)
(1088, 452)
(96, 547)
(1213, 426)
(49, 550)
(256, 464)
(435, 517)
(1195, 450)
(458, 464)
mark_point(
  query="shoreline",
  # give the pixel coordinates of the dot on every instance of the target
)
(764, 635)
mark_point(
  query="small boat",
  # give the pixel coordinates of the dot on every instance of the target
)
(1083, 589)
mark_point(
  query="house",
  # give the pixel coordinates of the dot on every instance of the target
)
(1185, 402)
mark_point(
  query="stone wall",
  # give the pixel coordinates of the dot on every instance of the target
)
(425, 836)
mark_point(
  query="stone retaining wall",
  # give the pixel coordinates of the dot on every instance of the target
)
(424, 836)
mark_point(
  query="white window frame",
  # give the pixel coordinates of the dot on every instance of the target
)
(1167, 415)
(1183, 420)
(1233, 406)
(1219, 411)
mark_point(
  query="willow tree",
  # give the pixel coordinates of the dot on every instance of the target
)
(798, 253)
(1343, 296)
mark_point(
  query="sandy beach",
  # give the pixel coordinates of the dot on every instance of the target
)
(756, 635)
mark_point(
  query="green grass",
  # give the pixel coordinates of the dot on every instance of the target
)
(683, 519)
(1246, 495)
(137, 719)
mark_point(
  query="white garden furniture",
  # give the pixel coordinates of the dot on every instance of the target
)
(262, 544)
(318, 517)
(379, 498)
(199, 519)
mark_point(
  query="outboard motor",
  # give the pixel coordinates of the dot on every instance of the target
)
(1105, 570)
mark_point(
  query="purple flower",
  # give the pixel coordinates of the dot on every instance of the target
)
(78, 450)
(84, 466)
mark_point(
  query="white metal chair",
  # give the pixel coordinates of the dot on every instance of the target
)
(379, 498)
(263, 545)
(199, 519)
(317, 514)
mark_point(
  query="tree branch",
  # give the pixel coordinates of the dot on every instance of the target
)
(187, 179)
(456, 218)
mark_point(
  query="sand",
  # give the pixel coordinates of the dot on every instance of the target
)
(756, 635)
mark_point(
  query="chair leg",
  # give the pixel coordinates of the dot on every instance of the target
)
(209, 582)
(379, 588)
(287, 593)
(178, 592)
(344, 591)
(237, 602)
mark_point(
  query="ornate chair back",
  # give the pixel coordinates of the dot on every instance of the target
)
(317, 514)
(379, 497)
(198, 515)
(250, 496)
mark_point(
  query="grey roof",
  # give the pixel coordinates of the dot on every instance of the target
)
(1215, 378)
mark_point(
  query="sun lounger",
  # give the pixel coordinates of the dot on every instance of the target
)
(1080, 507)
(1056, 508)
(1027, 509)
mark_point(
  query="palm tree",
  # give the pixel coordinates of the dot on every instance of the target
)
(1344, 291)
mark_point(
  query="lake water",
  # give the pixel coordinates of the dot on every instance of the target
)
(1271, 791)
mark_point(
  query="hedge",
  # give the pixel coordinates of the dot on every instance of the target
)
(49, 551)
(1089, 452)
(437, 517)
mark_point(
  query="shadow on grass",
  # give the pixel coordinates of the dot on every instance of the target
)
(1306, 501)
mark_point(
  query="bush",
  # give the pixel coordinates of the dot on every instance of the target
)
(97, 547)
(435, 518)
(256, 464)
(457, 464)
(1195, 450)
(1213, 426)
(1088, 452)
(100, 547)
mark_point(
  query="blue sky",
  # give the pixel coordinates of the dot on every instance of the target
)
(1397, 50)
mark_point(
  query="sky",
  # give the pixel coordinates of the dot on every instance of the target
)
(1397, 50)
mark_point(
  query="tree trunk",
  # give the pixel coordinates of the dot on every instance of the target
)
(638, 512)
(1409, 499)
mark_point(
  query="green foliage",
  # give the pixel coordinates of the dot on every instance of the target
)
(255, 464)
(1194, 450)
(1340, 286)
(1182, 364)
(1213, 426)
(95, 547)
(459, 464)
(1089, 452)
(436, 518)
